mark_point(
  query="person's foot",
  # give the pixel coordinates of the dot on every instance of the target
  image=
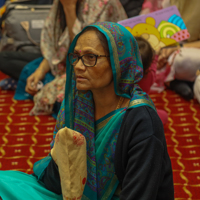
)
(8, 84)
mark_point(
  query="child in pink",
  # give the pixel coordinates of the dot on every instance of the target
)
(149, 66)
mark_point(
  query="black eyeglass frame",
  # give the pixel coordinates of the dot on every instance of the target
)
(81, 57)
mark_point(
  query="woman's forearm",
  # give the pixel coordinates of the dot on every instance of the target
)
(44, 66)
(70, 15)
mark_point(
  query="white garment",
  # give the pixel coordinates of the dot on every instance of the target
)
(184, 63)
(196, 88)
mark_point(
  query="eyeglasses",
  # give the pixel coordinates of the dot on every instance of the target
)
(88, 60)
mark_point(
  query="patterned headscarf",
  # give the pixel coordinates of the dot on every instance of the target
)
(126, 66)
(77, 111)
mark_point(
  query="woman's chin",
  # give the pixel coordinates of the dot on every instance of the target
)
(82, 87)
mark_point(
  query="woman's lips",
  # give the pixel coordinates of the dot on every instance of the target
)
(80, 78)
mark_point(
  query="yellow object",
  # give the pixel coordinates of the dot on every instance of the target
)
(2, 10)
(167, 29)
(149, 32)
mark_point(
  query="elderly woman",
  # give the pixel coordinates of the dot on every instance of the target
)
(106, 121)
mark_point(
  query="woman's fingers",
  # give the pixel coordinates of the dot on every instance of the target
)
(32, 81)
(31, 84)
(30, 91)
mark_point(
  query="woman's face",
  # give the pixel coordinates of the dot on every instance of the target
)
(92, 78)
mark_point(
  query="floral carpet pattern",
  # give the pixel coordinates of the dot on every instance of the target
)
(25, 139)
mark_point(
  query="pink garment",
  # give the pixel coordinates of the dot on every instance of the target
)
(151, 5)
(146, 84)
(149, 78)
(162, 76)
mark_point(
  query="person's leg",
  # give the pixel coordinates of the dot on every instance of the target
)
(183, 88)
(12, 63)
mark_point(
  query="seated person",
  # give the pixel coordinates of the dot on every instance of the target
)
(110, 120)
(149, 62)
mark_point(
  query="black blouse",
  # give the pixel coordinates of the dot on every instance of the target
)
(142, 163)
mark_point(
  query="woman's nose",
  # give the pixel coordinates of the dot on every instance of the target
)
(80, 65)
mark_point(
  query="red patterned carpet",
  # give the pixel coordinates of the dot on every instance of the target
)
(25, 139)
